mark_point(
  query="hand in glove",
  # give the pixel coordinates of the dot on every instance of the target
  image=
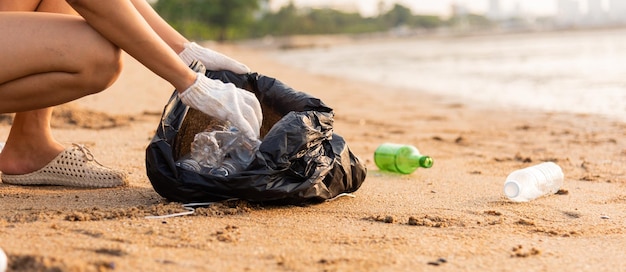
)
(212, 60)
(226, 102)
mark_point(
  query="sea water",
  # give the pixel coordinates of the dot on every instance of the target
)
(567, 71)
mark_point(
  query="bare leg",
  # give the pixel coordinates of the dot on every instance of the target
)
(40, 78)
(30, 145)
(54, 58)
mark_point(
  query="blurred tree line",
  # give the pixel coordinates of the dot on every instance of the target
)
(245, 19)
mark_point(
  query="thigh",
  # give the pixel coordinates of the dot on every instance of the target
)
(56, 6)
(19, 5)
(34, 42)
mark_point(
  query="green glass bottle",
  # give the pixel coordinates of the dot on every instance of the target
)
(399, 158)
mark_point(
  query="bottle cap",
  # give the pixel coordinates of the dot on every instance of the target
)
(426, 161)
(511, 189)
(190, 165)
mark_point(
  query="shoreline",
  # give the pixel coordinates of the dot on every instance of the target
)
(521, 89)
(459, 213)
(296, 42)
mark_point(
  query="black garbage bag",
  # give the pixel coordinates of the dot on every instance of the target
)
(300, 159)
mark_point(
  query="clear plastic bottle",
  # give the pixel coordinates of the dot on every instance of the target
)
(3, 261)
(526, 184)
(223, 152)
(399, 158)
(205, 149)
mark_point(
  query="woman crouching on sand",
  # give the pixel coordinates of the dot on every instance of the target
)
(56, 51)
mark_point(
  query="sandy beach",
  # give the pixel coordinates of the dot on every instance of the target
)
(459, 218)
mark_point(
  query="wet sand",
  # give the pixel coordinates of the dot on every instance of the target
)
(451, 217)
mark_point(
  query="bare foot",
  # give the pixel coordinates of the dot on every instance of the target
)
(17, 159)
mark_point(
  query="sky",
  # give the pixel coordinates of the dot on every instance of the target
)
(439, 7)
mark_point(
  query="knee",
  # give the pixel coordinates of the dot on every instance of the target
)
(104, 68)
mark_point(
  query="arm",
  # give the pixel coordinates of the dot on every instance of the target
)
(174, 39)
(186, 50)
(121, 23)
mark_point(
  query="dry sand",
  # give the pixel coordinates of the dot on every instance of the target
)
(452, 217)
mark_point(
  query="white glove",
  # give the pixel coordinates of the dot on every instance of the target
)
(226, 102)
(212, 60)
